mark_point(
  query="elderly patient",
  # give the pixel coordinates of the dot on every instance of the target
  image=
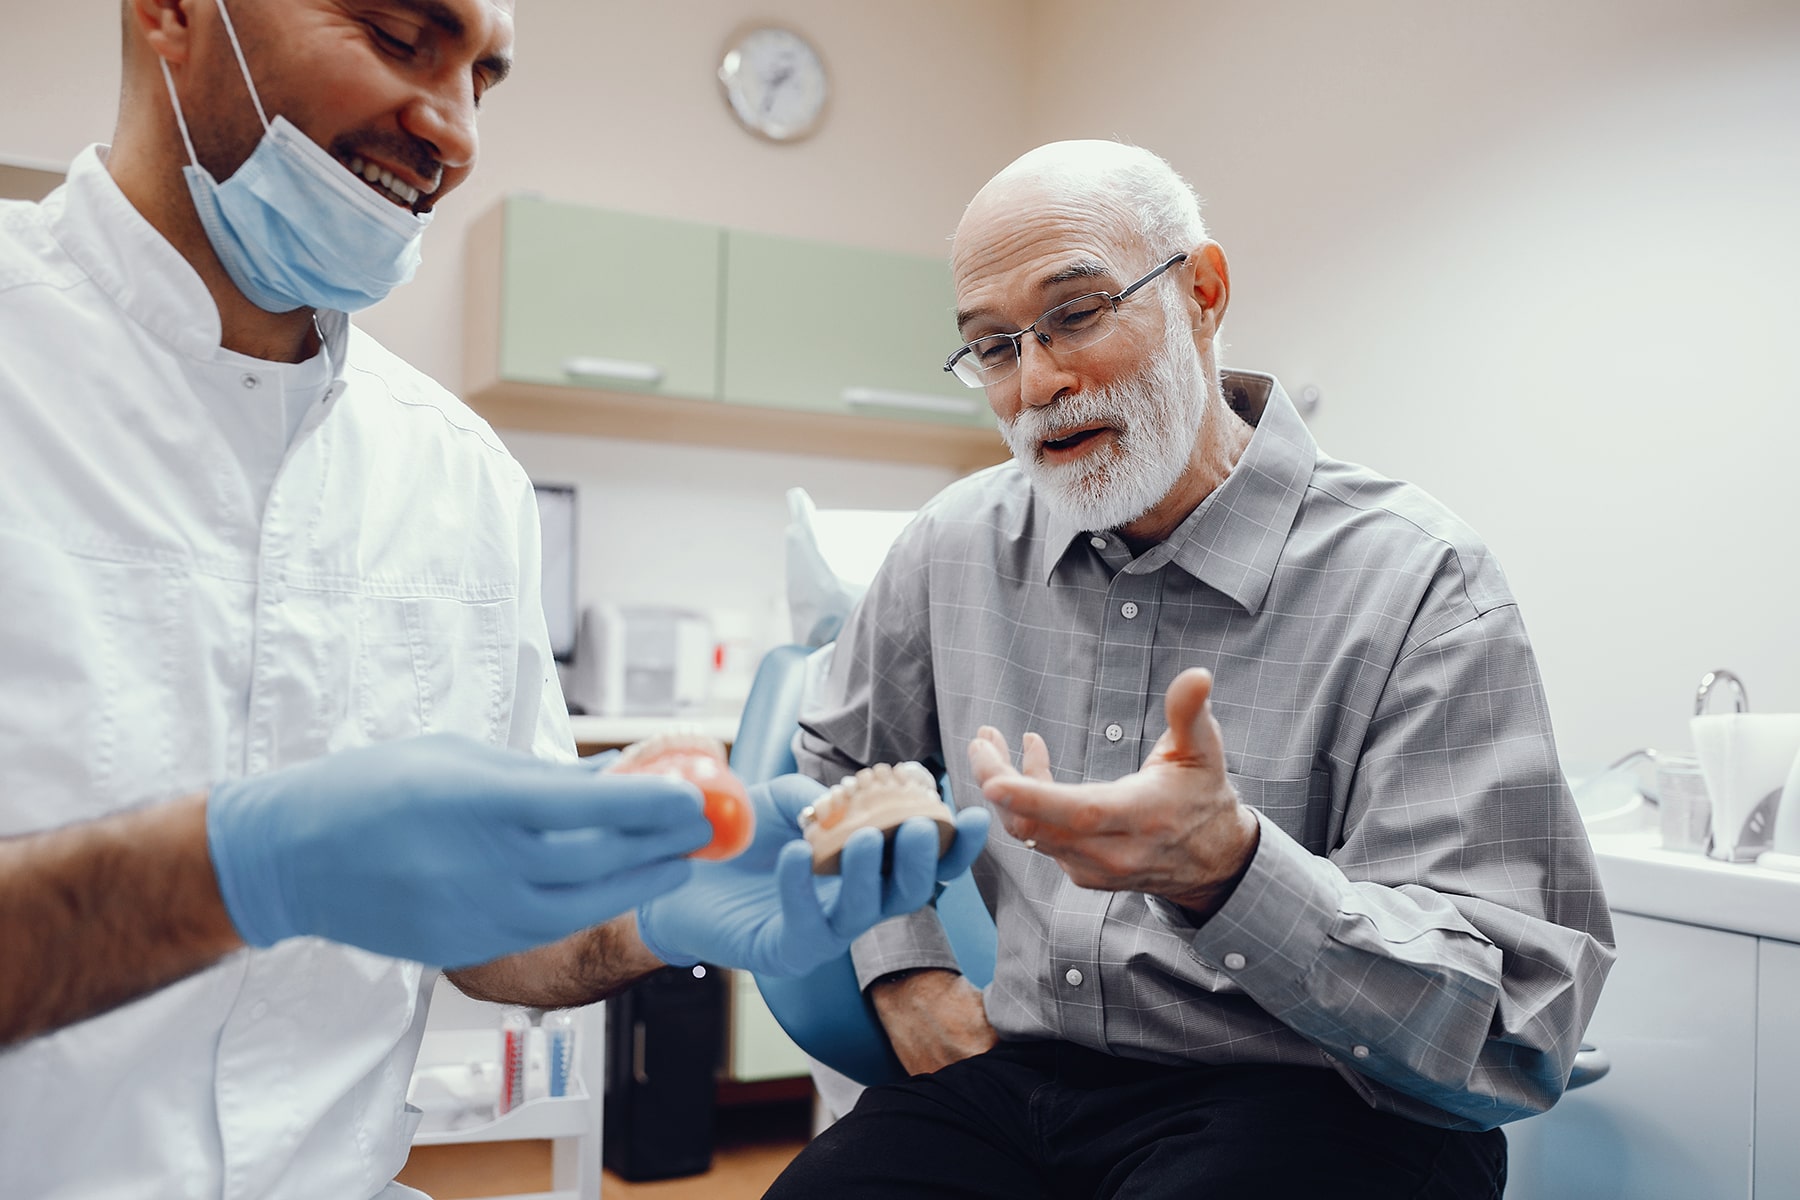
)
(1292, 898)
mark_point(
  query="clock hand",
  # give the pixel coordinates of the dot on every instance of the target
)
(774, 85)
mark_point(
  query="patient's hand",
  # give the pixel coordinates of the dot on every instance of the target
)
(1173, 828)
(933, 1018)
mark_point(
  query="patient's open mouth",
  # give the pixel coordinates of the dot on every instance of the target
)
(1074, 439)
(386, 184)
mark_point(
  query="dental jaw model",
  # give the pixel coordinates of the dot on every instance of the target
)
(879, 797)
(701, 761)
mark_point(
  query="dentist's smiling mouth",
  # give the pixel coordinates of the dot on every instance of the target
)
(386, 184)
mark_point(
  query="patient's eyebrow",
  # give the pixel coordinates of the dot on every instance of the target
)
(1086, 268)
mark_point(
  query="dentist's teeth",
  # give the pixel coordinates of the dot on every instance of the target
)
(399, 189)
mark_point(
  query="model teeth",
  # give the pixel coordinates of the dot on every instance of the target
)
(678, 741)
(398, 189)
(864, 786)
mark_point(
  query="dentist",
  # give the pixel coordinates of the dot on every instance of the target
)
(279, 723)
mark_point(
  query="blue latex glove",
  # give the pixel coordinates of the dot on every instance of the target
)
(444, 850)
(765, 911)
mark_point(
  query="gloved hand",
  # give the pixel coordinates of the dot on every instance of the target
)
(444, 850)
(765, 910)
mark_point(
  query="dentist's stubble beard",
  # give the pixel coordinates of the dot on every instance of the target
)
(1157, 414)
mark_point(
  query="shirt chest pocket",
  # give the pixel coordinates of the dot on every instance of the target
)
(430, 665)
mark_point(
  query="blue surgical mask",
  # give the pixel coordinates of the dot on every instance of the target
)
(293, 227)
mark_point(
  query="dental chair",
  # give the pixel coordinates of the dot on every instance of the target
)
(825, 1012)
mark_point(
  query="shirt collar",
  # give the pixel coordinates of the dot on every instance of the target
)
(143, 273)
(1233, 539)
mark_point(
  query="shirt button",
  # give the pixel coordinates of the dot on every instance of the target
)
(1114, 732)
(1234, 961)
(1359, 1051)
(259, 1010)
(1098, 543)
(1128, 610)
(251, 381)
(1073, 976)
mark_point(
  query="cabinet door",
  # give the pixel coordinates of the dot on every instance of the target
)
(1673, 1119)
(1778, 1071)
(609, 300)
(835, 329)
(759, 1048)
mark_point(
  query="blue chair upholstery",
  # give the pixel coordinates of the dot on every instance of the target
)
(825, 1012)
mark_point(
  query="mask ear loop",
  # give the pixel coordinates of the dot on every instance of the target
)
(249, 84)
(325, 349)
(231, 32)
(180, 121)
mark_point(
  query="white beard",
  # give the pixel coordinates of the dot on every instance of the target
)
(1157, 414)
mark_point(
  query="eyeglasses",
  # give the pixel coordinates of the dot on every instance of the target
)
(1071, 325)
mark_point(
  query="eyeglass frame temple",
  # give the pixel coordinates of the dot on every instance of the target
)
(1017, 337)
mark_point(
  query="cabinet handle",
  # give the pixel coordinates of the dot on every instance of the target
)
(618, 370)
(862, 397)
(637, 1053)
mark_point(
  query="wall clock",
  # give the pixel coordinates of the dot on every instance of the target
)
(775, 82)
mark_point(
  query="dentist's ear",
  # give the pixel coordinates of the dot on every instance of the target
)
(162, 26)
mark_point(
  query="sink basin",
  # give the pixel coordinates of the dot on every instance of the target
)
(1612, 801)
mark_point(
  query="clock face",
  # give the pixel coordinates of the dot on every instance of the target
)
(775, 83)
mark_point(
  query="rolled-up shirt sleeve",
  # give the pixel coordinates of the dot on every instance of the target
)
(1454, 943)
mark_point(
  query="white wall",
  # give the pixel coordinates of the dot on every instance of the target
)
(1541, 258)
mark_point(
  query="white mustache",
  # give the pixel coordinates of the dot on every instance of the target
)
(1030, 429)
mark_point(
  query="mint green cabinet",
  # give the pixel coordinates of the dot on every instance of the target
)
(593, 298)
(588, 321)
(836, 329)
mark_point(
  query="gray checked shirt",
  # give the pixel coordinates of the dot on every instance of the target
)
(1423, 913)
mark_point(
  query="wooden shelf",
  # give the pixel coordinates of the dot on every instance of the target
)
(641, 416)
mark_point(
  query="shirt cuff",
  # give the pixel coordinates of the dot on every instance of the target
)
(1270, 933)
(902, 943)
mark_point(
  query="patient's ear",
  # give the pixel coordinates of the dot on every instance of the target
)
(1210, 289)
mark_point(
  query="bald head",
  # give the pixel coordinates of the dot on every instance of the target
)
(1124, 194)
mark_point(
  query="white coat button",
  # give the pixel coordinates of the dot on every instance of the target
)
(1114, 732)
(251, 381)
(1073, 976)
(259, 1010)
(1234, 961)
(1359, 1051)
(1128, 610)
(1098, 543)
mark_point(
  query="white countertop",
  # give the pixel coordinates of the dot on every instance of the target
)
(1643, 878)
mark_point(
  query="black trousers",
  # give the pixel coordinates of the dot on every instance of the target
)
(1047, 1119)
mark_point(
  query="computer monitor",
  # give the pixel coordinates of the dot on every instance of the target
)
(556, 516)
